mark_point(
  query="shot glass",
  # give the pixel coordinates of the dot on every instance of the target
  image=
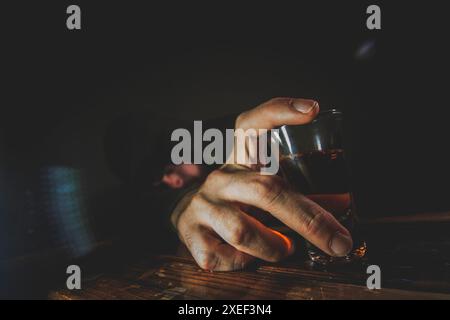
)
(312, 161)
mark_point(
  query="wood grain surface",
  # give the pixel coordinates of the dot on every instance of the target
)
(414, 259)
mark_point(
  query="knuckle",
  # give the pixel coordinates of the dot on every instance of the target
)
(201, 206)
(198, 201)
(269, 188)
(214, 177)
(273, 105)
(241, 119)
(314, 225)
(239, 233)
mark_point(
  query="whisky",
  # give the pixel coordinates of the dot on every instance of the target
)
(322, 176)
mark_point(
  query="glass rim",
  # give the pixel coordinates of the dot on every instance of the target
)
(322, 115)
(325, 113)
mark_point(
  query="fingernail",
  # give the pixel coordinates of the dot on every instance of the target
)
(341, 244)
(304, 105)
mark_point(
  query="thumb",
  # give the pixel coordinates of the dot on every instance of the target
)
(277, 112)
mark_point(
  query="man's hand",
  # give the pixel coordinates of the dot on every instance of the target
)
(212, 221)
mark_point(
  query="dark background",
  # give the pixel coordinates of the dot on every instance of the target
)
(206, 59)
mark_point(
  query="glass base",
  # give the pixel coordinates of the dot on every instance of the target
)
(317, 256)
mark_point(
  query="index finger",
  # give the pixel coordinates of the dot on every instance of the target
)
(304, 216)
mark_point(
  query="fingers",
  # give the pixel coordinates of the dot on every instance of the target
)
(222, 237)
(295, 210)
(271, 114)
(278, 112)
(245, 233)
(211, 253)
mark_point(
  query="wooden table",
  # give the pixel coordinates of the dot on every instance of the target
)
(414, 259)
